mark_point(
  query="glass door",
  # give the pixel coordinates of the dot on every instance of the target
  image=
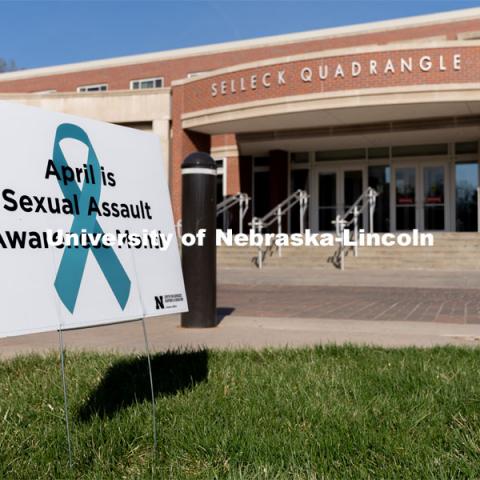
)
(261, 186)
(299, 180)
(379, 180)
(466, 183)
(352, 189)
(327, 200)
(405, 191)
(434, 197)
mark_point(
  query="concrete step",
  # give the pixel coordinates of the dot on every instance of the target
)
(451, 251)
(364, 267)
(447, 255)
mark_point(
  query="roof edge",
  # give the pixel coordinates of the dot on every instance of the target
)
(343, 31)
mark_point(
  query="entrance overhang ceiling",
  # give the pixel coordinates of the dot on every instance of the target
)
(248, 146)
(356, 108)
(357, 120)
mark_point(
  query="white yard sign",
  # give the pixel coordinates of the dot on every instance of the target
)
(98, 182)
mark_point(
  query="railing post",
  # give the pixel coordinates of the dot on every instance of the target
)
(279, 228)
(371, 208)
(241, 214)
(303, 209)
(337, 225)
(367, 207)
(256, 225)
(247, 206)
(355, 231)
(342, 243)
(275, 215)
(478, 209)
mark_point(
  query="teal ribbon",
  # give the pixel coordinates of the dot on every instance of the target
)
(72, 266)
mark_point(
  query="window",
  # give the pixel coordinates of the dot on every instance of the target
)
(223, 220)
(146, 83)
(468, 35)
(261, 186)
(419, 150)
(378, 152)
(196, 74)
(466, 183)
(101, 87)
(221, 179)
(299, 157)
(298, 181)
(348, 154)
(466, 147)
(379, 179)
(405, 184)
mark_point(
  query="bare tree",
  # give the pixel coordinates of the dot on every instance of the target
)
(7, 66)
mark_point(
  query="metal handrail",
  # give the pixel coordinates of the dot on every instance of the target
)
(275, 215)
(240, 199)
(366, 201)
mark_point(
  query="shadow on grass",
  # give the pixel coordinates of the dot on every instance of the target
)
(127, 381)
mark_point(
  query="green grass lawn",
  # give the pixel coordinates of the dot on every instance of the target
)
(333, 412)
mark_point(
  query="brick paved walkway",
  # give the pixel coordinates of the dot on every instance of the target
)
(298, 307)
(260, 315)
(461, 306)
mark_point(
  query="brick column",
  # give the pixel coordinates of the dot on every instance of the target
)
(225, 146)
(161, 127)
(183, 143)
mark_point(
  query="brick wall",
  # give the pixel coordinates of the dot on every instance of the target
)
(120, 77)
(199, 96)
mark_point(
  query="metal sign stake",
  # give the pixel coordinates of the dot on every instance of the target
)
(154, 418)
(65, 396)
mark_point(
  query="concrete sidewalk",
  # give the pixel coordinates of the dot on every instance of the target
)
(246, 332)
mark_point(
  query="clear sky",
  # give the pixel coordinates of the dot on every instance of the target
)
(39, 33)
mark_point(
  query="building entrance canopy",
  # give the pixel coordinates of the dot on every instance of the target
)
(343, 87)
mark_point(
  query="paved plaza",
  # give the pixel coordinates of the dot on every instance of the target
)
(461, 306)
(299, 307)
(418, 296)
(404, 295)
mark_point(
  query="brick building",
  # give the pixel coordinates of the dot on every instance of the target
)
(394, 105)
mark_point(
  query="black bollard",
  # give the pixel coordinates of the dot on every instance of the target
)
(199, 263)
